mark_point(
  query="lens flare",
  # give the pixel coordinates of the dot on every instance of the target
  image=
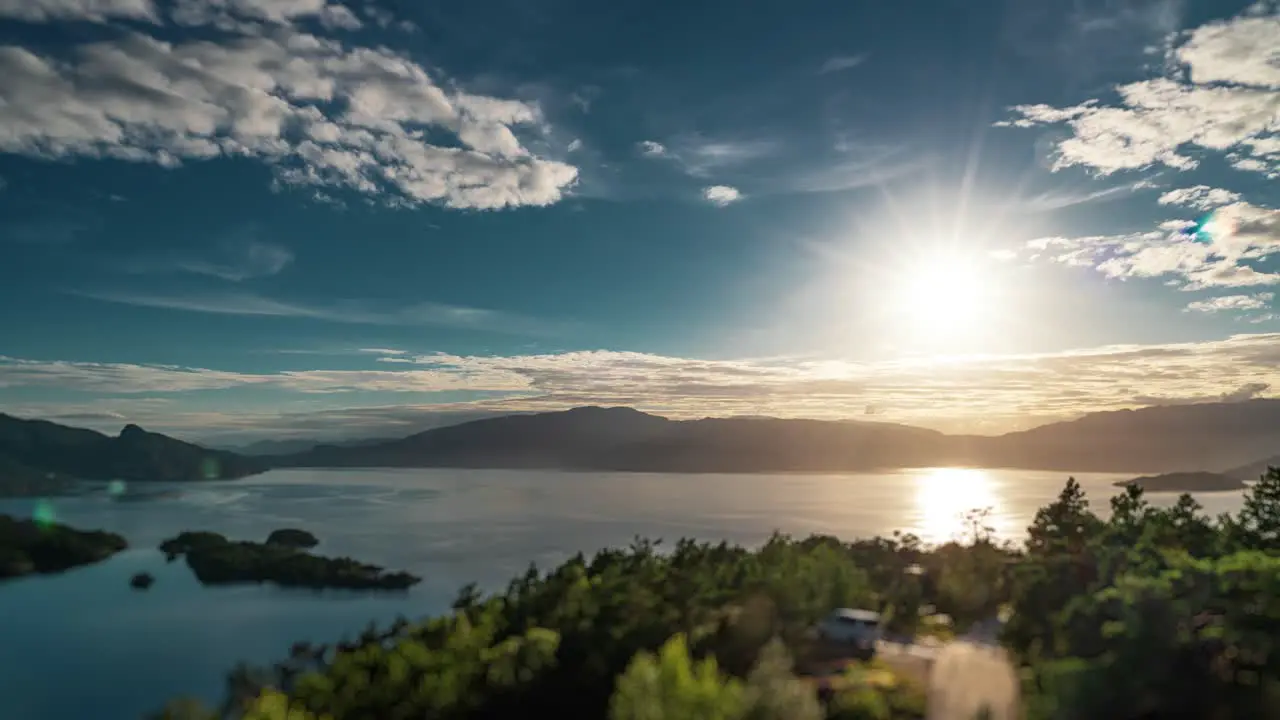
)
(43, 514)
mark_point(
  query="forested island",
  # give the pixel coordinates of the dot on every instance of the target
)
(215, 560)
(1152, 613)
(31, 547)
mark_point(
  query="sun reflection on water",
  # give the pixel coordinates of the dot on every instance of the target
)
(944, 495)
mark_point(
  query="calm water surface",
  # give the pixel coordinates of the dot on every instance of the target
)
(85, 645)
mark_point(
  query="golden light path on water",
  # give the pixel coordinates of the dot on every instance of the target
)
(944, 495)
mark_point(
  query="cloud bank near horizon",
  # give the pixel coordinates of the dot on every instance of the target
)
(984, 394)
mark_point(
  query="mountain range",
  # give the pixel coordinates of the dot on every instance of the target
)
(1182, 438)
(1208, 436)
(38, 452)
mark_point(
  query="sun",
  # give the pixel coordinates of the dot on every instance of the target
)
(943, 298)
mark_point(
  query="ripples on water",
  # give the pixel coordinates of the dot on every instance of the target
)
(84, 644)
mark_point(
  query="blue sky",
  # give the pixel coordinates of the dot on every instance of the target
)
(230, 219)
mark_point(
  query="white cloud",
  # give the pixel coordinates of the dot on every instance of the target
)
(1220, 255)
(721, 195)
(841, 62)
(651, 148)
(966, 393)
(353, 311)
(318, 112)
(1232, 302)
(1201, 197)
(97, 11)
(574, 145)
(1230, 103)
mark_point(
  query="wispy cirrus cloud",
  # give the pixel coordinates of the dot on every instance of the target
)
(1220, 95)
(320, 113)
(701, 157)
(351, 311)
(235, 259)
(837, 63)
(1070, 197)
(984, 393)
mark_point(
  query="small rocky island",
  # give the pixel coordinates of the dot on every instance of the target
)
(31, 547)
(215, 560)
(1186, 482)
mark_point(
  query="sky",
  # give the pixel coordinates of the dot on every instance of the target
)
(239, 219)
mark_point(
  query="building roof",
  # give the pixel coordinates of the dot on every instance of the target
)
(859, 615)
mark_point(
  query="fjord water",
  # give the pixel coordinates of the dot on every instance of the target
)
(84, 644)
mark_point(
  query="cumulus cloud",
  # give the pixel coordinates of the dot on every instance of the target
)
(721, 195)
(1232, 302)
(1222, 94)
(1222, 254)
(239, 15)
(96, 11)
(841, 62)
(992, 392)
(1201, 197)
(651, 148)
(319, 112)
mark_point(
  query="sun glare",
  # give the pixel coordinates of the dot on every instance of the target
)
(943, 299)
(944, 495)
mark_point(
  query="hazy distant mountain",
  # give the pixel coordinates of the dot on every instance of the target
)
(627, 439)
(379, 425)
(290, 446)
(45, 448)
(1253, 470)
(1205, 436)
(1208, 436)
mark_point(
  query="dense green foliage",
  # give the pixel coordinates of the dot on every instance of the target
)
(29, 546)
(293, 537)
(1151, 613)
(215, 560)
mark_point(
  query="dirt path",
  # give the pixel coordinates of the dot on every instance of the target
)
(968, 677)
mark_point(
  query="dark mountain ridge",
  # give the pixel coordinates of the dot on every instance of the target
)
(52, 450)
(1183, 438)
(1202, 437)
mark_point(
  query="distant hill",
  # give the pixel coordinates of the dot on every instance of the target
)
(1185, 482)
(1253, 470)
(594, 438)
(1173, 438)
(1163, 439)
(290, 446)
(1182, 438)
(34, 449)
